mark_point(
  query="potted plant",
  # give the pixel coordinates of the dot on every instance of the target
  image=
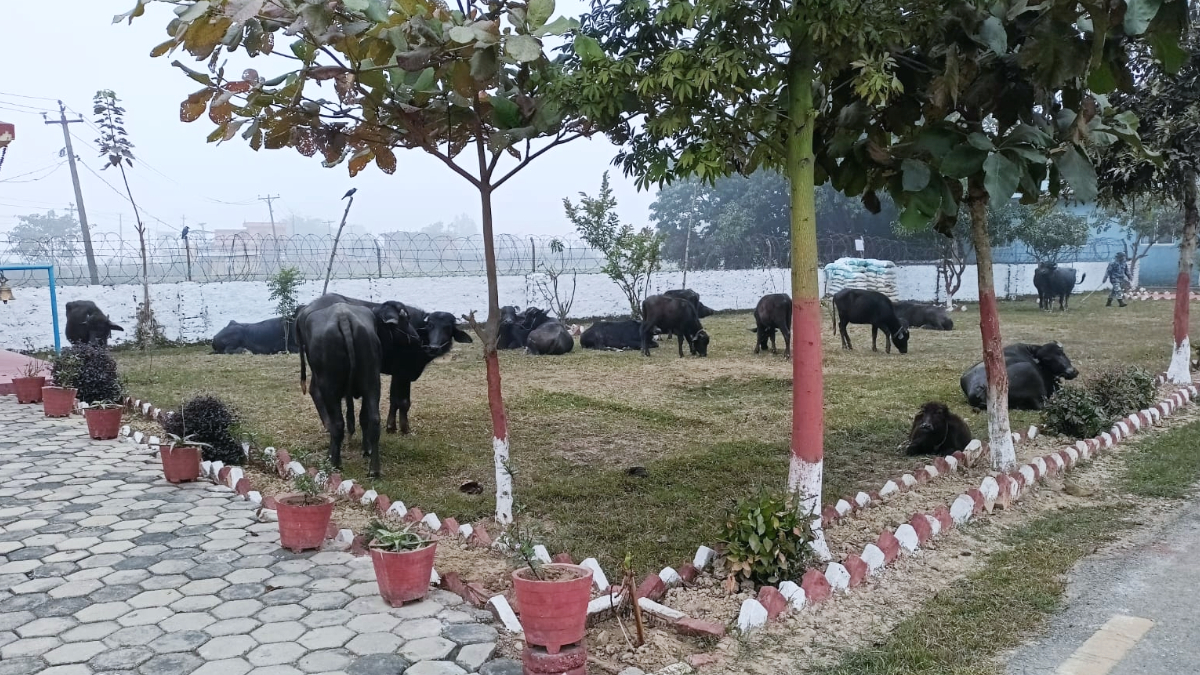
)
(553, 597)
(403, 561)
(103, 420)
(58, 400)
(181, 458)
(303, 517)
(28, 387)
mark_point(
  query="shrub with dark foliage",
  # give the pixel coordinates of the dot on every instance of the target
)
(207, 419)
(96, 380)
(1075, 412)
(64, 368)
(1122, 391)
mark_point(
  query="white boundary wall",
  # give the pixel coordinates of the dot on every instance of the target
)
(195, 311)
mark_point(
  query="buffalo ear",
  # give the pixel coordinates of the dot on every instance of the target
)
(113, 326)
(461, 336)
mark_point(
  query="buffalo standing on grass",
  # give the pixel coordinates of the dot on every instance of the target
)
(773, 312)
(1055, 283)
(673, 316)
(855, 305)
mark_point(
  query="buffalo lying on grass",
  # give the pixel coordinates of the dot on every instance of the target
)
(937, 431)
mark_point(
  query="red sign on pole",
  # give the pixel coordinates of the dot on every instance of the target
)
(7, 133)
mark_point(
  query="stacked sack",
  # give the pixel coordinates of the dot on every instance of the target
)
(864, 273)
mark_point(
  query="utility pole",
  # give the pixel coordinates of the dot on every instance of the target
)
(83, 223)
(271, 209)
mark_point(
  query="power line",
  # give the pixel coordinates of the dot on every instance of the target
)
(32, 98)
(53, 169)
(124, 196)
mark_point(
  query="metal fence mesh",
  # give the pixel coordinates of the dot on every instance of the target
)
(204, 258)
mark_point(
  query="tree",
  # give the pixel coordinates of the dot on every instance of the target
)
(1141, 225)
(631, 257)
(548, 285)
(1168, 103)
(731, 87)
(46, 237)
(282, 288)
(1049, 230)
(1007, 97)
(116, 148)
(362, 78)
(461, 226)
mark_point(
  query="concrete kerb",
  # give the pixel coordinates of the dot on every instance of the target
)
(842, 576)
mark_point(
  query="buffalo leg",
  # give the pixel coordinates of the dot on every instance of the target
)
(679, 342)
(369, 421)
(401, 401)
(845, 336)
(315, 393)
(773, 349)
(787, 342)
(349, 417)
(337, 431)
(875, 338)
(647, 336)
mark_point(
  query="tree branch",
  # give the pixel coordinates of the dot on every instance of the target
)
(559, 140)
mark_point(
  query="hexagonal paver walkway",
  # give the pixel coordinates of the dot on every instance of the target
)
(107, 568)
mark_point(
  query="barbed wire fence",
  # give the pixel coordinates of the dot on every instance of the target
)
(244, 257)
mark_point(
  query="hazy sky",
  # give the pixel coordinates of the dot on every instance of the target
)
(72, 55)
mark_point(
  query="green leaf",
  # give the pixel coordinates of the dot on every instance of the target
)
(303, 50)
(916, 175)
(992, 34)
(963, 161)
(356, 5)
(1102, 80)
(912, 220)
(1001, 177)
(426, 80)
(755, 544)
(1078, 171)
(980, 142)
(1138, 14)
(588, 49)
(377, 11)
(1166, 49)
(558, 26)
(484, 64)
(539, 13)
(936, 141)
(507, 113)
(462, 34)
(195, 11)
(523, 48)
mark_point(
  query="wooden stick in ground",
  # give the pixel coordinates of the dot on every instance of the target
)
(337, 237)
(631, 593)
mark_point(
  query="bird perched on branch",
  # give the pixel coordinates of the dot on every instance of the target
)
(350, 193)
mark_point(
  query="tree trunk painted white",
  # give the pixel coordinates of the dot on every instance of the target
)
(1180, 371)
(1135, 274)
(504, 487)
(804, 481)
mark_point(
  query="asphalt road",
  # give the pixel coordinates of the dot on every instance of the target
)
(1158, 580)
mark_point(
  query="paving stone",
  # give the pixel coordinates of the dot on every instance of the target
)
(239, 591)
(125, 658)
(237, 608)
(187, 621)
(35, 646)
(274, 654)
(227, 647)
(196, 603)
(134, 635)
(501, 667)
(224, 667)
(115, 593)
(182, 641)
(60, 607)
(171, 664)
(287, 631)
(11, 619)
(22, 666)
(435, 668)
(281, 613)
(320, 601)
(159, 598)
(471, 657)
(375, 643)
(77, 652)
(470, 633)
(144, 617)
(103, 611)
(332, 617)
(238, 626)
(427, 649)
(326, 638)
(325, 661)
(381, 664)
(46, 627)
(90, 631)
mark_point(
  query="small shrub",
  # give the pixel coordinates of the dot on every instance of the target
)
(64, 368)
(210, 421)
(386, 537)
(765, 540)
(1121, 391)
(97, 380)
(308, 487)
(1075, 412)
(149, 332)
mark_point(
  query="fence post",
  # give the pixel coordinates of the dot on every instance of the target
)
(378, 259)
(533, 249)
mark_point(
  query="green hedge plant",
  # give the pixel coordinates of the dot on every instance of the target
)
(766, 542)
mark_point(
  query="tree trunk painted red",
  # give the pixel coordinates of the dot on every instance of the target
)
(808, 381)
(504, 490)
(1004, 456)
(1180, 371)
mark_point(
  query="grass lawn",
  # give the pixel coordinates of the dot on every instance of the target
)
(706, 430)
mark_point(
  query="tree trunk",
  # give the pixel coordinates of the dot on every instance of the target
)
(504, 487)
(145, 317)
(1180, 370)
(808, 392)
(1004, 456)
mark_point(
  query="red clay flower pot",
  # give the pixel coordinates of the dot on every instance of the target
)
(403, 576)
(28, 389)
(180, 464)
(303, 526)
(58, 401)
(103, 423)
(554, 613)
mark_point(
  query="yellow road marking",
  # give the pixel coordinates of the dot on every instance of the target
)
(1107, 646)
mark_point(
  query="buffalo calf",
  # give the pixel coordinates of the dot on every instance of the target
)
(937, 431)
(773, 312)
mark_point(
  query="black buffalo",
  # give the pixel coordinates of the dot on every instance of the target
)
(550, 339)
(773, 312)
(673, 316)
(937, 431)
(341, 343)
(1053, 282)
(86, 324)
(614, 335)
(855, 305)
(404, 358)
(1034, 372)
(515, 327)
(693, 297)
(924, 316)
(264, 337)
